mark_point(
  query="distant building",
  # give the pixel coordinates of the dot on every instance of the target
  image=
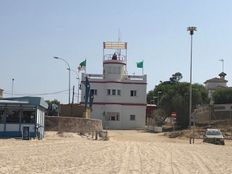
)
(20, 112)
(215, 83)
(119, 98)
(1, 93)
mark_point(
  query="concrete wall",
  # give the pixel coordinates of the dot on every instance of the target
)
(51, 123)
(124, 112)
(124, 104)
(217, 112)
(71, 124)
(125, 93)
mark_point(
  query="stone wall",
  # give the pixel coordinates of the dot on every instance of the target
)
(51, 123)
(72, 124)
(71, 110)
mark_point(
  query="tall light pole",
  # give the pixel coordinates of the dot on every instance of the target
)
(191, 32)
(69, 69)
(78, 80)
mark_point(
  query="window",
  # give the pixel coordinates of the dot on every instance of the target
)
(108, 92)
(133, 93)
(12, 116)
(113, 116)
(94, 91)
(1, 116)
(28, 117)
(132, 117)
(113, 91)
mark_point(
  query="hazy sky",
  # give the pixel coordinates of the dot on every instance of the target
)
(32, 32)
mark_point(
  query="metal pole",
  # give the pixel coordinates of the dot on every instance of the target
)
(69, 84)
(78, 90)
(12, 89)
(191, 30)
(222, 65)
(190, 83)
(69, 80)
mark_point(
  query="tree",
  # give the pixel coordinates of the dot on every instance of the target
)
(222, 96)
(175, 98)
(53, 107)
(55, 101)
(176, 77)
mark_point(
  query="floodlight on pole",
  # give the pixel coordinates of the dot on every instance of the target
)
(69, 69)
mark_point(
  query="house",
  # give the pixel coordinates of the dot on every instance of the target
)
(119, 98)
(18, 113)
(215, 83)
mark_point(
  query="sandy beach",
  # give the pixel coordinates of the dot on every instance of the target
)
(126, 152)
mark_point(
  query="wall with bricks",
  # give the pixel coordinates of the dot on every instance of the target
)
(72, 124)
(71, 110)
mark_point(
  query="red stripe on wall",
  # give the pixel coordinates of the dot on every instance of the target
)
(135, 83)
(129, 104)
(109, 62)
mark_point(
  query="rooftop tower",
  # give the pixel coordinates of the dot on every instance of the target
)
(114, 60)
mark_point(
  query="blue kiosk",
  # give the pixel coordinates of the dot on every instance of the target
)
(22, 117)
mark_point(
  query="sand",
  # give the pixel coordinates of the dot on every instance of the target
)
(126, 152)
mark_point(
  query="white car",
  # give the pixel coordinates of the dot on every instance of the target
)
(214, 136)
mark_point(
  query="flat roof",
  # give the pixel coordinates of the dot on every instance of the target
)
(37, 101)
(13, 102)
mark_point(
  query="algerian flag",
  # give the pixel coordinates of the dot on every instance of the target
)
(82, 65)
(140, 64)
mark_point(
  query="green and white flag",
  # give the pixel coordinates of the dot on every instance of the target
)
(140, 64)
(82, 66)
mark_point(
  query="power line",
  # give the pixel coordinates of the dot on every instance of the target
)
(48, 93)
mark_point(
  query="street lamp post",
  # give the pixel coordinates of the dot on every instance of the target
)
(191, 32)
(78, 80)
(69, 69)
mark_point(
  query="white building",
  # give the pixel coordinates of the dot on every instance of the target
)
(22, 112)
(119, 98)
(215, 83)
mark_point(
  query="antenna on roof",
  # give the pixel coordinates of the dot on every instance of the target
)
(222, 60)
(119, 35)
(119, 40)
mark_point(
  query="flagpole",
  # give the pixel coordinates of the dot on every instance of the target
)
(85, 66)
(142, 70)
(78, 88)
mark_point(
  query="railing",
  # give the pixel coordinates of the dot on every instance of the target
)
(121, 58)
(126, 77)
(136, 77)
(95, 76)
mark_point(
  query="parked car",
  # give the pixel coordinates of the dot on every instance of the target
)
(214, 136)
